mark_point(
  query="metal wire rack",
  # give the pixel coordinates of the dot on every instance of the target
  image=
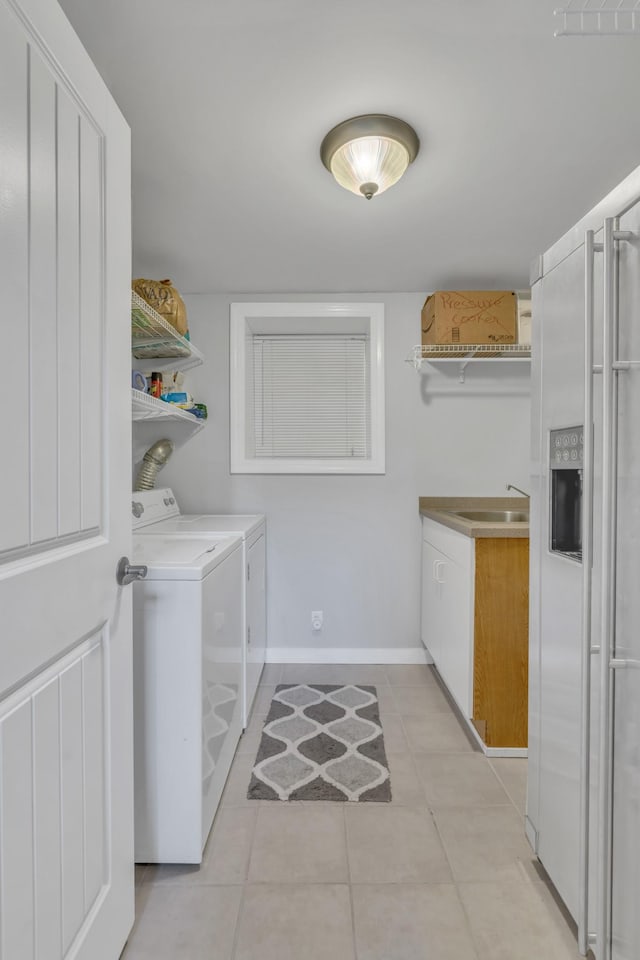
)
(598, 18)
(144, 407)
(465, 353)
(154, 419)
(152, 338)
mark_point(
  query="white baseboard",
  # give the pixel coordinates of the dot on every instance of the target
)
(506, 751)
(347, 655)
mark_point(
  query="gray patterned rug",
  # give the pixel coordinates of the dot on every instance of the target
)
(322, 742)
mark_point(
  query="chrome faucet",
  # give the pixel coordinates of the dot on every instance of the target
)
(510, 486)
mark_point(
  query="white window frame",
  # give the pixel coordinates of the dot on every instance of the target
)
(246, 319)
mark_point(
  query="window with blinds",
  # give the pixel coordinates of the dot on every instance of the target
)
(307, 387)
(311, 396)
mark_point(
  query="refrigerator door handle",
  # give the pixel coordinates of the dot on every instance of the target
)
(603, 894)
(590, 249)
(607, 607)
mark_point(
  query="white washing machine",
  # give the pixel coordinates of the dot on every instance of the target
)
(187, 672)
(252, 529)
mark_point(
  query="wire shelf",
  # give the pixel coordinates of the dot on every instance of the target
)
(153, 339)
(466, 353)
(145, 407)
(598, 18)
(155, 419)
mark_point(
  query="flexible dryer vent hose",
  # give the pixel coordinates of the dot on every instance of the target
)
(153, 461)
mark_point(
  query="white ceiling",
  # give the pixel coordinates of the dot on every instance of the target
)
(228, 101)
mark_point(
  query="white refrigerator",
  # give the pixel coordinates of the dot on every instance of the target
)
(583, 804)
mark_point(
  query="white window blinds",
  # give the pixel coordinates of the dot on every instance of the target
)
(311, 396)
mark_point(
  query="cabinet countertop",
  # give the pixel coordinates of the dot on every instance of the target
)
(439, 509)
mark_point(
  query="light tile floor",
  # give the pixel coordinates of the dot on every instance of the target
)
(443, 872)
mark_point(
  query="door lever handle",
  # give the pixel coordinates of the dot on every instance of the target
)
(128, 572)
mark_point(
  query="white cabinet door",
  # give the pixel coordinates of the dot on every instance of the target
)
(456, 586)
(431, 614)
(66, 798)
(447, 608)
(256, 621)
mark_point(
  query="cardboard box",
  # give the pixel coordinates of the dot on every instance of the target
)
(469, 316)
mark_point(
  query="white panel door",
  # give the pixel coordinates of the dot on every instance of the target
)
(66, 812)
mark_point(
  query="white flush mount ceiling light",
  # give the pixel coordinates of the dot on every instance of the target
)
(368, 154)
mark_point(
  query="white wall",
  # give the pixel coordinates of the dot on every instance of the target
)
(350, 546)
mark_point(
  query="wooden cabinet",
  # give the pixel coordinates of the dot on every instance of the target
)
(501, 641)
(475, 626)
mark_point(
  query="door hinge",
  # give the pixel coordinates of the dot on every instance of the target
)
(248, 571)
(248, 635)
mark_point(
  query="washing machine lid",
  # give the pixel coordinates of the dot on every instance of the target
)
(177, 558)
(157, 512)
(204, 523)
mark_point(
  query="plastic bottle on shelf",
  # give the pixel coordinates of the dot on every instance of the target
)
(155, 385)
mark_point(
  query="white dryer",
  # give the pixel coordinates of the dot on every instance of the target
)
(188, 667)
(169, 521)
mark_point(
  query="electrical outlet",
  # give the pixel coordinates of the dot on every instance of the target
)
(317, 619)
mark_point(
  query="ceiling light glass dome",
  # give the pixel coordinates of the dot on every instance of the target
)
(368, 154)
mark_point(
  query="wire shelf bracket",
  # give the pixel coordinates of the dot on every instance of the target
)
(598, 18)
